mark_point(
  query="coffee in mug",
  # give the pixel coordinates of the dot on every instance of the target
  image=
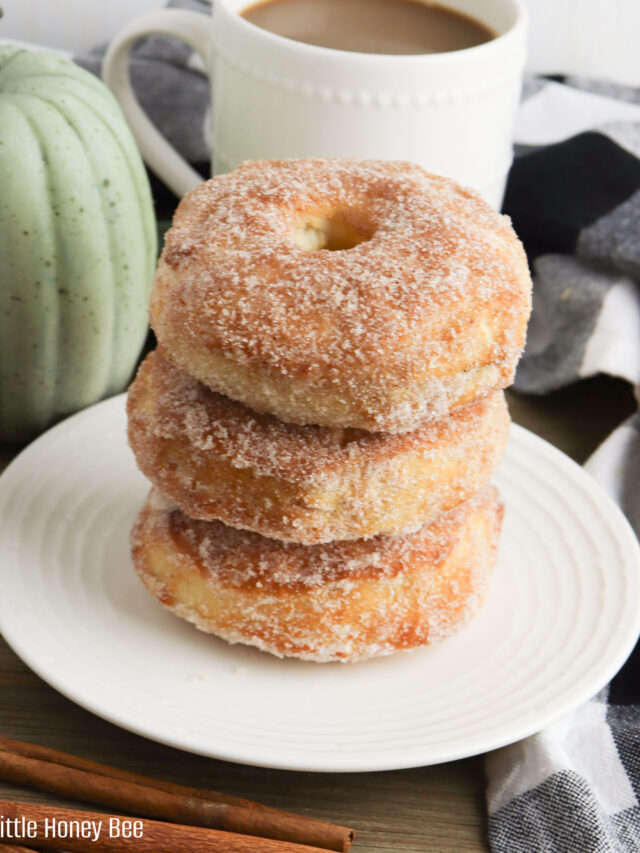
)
(370, 26)
(451, 111)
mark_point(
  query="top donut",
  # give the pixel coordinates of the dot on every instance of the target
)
(347, 293)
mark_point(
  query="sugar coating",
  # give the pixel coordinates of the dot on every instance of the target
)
(340, 601)
(385, 331)
(241, 557)
(419, 309)
(219, 460)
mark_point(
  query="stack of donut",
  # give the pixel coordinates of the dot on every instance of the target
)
(324, 412)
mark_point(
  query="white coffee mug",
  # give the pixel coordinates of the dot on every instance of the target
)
(274, 97)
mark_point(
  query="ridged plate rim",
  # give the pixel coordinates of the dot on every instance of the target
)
(363, 743)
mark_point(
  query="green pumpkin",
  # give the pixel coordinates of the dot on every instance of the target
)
(78, 243)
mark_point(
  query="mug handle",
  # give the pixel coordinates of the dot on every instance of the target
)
(162, 158)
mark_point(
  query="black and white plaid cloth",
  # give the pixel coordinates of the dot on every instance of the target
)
(574, 196)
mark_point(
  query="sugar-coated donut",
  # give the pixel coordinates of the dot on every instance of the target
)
(339, 601)
(364, 294)
(217, 459)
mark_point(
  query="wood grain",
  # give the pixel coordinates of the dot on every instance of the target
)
(148, 801)
(435, 808)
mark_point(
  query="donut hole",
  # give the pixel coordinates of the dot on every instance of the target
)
(334, 232)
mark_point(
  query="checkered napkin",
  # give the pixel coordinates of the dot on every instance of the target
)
(574, 196)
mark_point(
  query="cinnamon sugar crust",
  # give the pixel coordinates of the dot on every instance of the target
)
(363, 294)
(339, 601)
(218, 459)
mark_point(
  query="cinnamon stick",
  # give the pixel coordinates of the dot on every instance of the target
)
(55, 828)
(153, 803)
(45, 753)
(322, 834)
(4, 848)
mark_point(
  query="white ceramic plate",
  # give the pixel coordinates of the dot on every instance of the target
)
(562, 615)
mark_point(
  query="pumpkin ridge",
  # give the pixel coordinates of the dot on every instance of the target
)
(51, 318)
(148, 227)
(67, 341)
(115, 311)
(47, 78)
(113, 378)
(137, 173)
(51, 195)
(78, 235)
(150, 232)
(47, 65)
(11, 59)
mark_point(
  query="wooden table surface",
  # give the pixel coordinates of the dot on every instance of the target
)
(440, 809)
